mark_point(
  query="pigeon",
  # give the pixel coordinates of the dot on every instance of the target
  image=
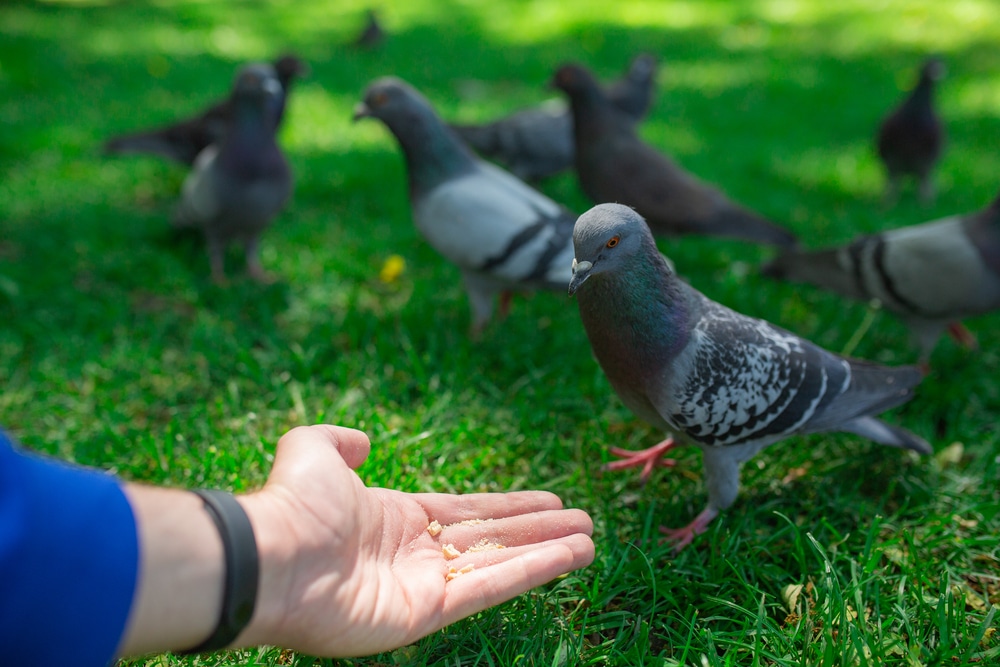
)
(728, 383)
(372, 35)
(614, 165)
(536, 143)
(911, 138)
(931, 275)
(502, 234)
(184, 140)
(239, 184)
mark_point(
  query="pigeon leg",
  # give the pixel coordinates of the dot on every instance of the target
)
(681, 537)
(217, 260)
(481, 291)
(506, 297)
(962, 336)
(891, 194)
(926, 189)
(254, 267)
(647, 458)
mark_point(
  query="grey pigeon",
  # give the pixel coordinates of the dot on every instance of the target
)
(614, 165)
(537, 142)
(239, 184)
(911, 138)
(372, 34)
(184, 140)
(931, 275)
(502, 234)
(725, 382)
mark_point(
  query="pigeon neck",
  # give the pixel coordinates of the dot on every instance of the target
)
(637, 318)
(253, 119)
(923, 95)
(983, 229)
(433, 154)
(593, 114)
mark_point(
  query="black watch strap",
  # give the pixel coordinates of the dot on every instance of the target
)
(239, 593)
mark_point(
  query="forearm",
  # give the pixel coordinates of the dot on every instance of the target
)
(179, 589)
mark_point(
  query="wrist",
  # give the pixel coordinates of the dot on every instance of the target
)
(275, 572)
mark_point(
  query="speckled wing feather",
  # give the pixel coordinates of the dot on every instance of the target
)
(746, 380)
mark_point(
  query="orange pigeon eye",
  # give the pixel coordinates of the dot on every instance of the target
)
(380, 99)
(612, 242)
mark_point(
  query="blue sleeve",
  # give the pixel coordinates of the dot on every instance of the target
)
(68, 562)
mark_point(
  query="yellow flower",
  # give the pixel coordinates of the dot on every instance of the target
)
(392, 269)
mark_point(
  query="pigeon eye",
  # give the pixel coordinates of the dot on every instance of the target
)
(380, 99)
(612, 242)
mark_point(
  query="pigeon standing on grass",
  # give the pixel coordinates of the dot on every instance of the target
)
(238, 185)
(372, 34)
(536, 143)
(728, 383)
(184, 140)
(911, 138)
(502, 234)
(614, 165)
(931, 275)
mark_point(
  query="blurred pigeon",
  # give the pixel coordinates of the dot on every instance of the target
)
(184, 140)
(911, 138)
(372, 35)
(502, 234)
(930, 275)
(536, 143)
(614, 165)
(240, 183)
(728, 383)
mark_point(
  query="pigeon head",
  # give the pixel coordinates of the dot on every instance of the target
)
(433, 153)
(289, 67)
(605, 239)
(642, 68)
(391, 100)
(576, 81)
(933, 70)
(257, 81)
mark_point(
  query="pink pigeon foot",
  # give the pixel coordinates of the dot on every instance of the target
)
(647, 458)
(962, 336)
(506, 297)
(681, 537)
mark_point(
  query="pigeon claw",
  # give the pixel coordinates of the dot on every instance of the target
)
(649, 458)
(681, 537)
(963, 336)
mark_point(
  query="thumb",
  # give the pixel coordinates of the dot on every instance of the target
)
(352, 444)
(315, 445)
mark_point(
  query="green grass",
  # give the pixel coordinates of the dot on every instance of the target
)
(116, 350)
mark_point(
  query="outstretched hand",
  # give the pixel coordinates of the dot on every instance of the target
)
(350, 570)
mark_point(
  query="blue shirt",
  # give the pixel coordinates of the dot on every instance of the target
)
(69, 557)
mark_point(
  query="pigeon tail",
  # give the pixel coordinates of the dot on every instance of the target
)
(155, 143)
(822, 268)
(736, 222)
(887, 434)
(482, 138)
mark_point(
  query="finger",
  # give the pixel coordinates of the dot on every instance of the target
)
(353, 445)
(522, 529)
(489, 586)
(448, 508)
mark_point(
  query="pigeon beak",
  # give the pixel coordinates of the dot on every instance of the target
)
(361, 111)
(581, 271)
(272, 87)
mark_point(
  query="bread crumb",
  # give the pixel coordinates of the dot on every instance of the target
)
(450, 552)
(471, 522)
(485, 545)
(434, 528)
(455, 573)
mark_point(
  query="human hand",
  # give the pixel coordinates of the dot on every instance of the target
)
(350, 570)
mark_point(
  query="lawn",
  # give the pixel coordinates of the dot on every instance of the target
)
(117, 351)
